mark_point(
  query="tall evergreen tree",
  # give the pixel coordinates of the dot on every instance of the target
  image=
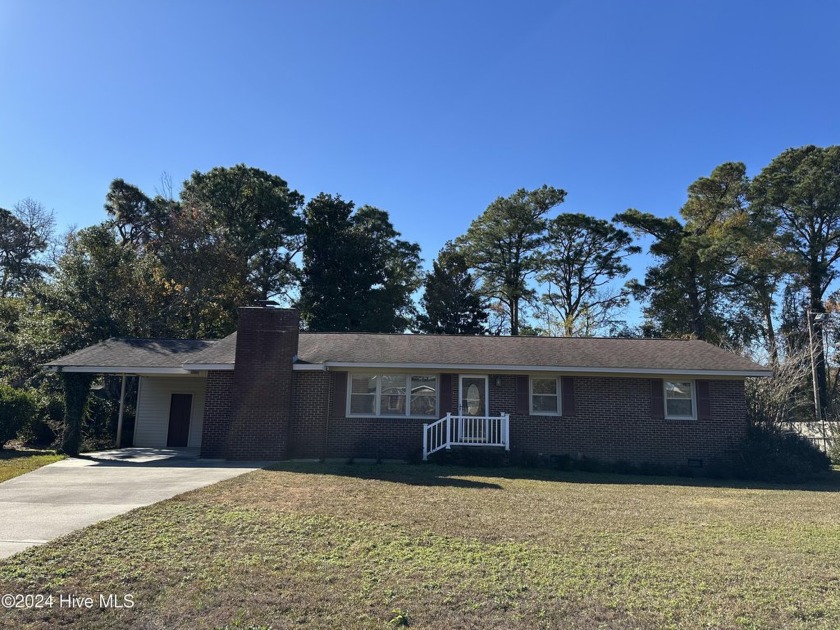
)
(258, 216)
(358, 275)
(230, 240)
(582, 256)
(799, 193)
(451, 304)
(502, 245)
(707, 279)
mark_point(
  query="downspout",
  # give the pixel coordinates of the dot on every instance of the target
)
(327, 421)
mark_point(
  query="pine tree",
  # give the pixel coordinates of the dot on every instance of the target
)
(451, 304)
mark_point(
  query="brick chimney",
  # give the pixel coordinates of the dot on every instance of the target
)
(266, 344)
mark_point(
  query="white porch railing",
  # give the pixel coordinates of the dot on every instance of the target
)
(452, 431)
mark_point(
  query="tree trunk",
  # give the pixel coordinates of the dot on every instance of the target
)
(819, 351)
(771, 337)
(514, 316)
(697, 323)
(76, 392)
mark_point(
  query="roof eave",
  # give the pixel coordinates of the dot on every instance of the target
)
(444, 367)
(215, 367)
(126, 369)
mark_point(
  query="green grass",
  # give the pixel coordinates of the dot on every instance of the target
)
(358, 546)
(14, 463)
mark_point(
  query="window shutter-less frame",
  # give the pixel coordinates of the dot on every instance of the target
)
(657, 399)
(522, 395)
(445, 394)
(704, 400)
(339, 399)
(567, 391)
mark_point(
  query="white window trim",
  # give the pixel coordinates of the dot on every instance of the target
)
(559, 395)
(693, 415)
(377, 401)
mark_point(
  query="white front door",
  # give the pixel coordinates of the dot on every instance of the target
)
(473, 407)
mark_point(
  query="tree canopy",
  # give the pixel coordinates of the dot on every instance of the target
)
(257, 215)
(25, 234)
(798, 194)
(503, 245)
(451, 303)
(703, 281)
(582, 256)
(358, 275)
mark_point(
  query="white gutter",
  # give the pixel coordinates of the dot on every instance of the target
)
(448, 367)
(191, 368)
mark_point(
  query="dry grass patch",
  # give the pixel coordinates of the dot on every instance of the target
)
(18, 462)
(353, 546)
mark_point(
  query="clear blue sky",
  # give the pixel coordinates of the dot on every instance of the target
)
(427, 109)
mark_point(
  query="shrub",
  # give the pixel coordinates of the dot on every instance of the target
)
(46, 422)
(834, 449)
(17, 410)
(769, 454)
(562, 462)
(592, 465)
(478, 458)
(527, 459)
(414, 455)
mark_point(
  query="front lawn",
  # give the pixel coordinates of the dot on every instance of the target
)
(358, 546)
(14, 462)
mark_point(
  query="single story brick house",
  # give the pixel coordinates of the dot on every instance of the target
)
(272, 392)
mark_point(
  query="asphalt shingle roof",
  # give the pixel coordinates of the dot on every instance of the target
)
(220, 353)
(565, 352)
(138, 353)
(598, 354)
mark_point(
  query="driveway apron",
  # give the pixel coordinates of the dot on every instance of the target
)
(65, 496)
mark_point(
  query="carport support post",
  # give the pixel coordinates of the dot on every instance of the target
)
(120, 416)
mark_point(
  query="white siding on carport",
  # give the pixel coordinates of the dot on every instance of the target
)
(153, 396)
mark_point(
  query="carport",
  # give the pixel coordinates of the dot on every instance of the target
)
(170, 398)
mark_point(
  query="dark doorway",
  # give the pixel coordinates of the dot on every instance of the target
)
(179, 420)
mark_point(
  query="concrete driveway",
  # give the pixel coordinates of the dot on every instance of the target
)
(74, 493)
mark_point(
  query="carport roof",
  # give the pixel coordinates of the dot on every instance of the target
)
(134, 356)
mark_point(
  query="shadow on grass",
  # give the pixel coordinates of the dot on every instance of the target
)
(409, 474)
(470, 477)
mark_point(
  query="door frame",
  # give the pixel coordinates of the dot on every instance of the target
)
(486, 378)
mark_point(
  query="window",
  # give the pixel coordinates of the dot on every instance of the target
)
(362, 394)
(424, 396)
(679, 400)
(392, 395)
(545, 396)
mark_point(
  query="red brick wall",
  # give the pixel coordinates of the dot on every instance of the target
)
(256, 423)
(218, 414)
(612, 423)
(310, 413)
(320, 429)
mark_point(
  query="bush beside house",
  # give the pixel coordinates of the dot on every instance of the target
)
(18, 409)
